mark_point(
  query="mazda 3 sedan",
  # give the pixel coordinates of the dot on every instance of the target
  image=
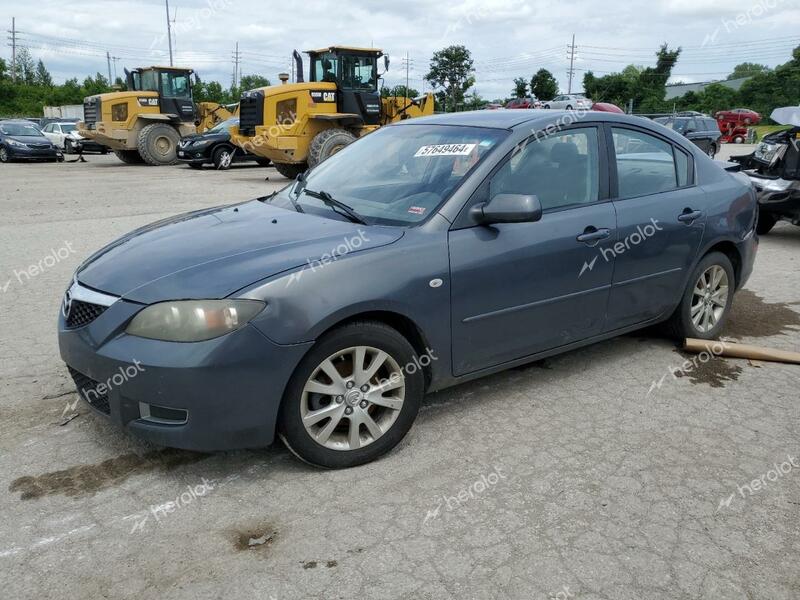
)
(426, 254)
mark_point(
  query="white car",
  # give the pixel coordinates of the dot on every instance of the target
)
(569, 102)
(65, 135)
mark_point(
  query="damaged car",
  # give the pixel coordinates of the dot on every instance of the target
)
(774, 170)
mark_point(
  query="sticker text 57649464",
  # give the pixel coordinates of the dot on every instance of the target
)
(445, 150)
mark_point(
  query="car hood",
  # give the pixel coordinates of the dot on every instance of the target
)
(213, 253)
(29, 139)
(201, 137)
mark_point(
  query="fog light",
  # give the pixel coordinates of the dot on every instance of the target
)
(152, 413)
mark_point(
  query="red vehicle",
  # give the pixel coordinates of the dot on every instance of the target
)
(528, 102)
(607, 107)
(738, 115)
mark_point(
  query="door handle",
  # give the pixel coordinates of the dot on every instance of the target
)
(592, 234)
(689, 216)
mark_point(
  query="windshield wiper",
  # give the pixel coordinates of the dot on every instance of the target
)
(337, 206)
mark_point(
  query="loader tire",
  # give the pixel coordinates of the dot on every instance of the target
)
(327, 143)
(158, 143)
(129, 157)
(290, 170)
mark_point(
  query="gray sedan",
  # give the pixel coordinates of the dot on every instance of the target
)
(428, 253)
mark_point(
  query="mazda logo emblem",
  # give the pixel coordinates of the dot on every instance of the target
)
(66, 305)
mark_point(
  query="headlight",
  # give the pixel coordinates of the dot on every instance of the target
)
(119, 112)
(193, 320)
(16, 144)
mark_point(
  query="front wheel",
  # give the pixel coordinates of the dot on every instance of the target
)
(712, 151)
(353, 397)
(291, 170)
(327, 143)
(547, 106)
(223, 157)
(707, 300)
(157, 144)
(4, 155)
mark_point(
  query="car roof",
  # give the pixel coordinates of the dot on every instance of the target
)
(511, 119)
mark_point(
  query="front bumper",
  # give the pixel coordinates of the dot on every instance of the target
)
(190, 155)
(776, 196)
(228, 388)
(18, 153)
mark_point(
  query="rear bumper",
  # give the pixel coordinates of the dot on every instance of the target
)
(778, 197)
(228, 389)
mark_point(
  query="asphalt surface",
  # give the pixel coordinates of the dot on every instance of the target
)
(595, 474)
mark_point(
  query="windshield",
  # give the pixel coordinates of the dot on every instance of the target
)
(224, 125)
(398, 175)
(19, 129)
(67, 127)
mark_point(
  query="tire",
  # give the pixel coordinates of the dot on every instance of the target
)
(765, 223)
(680, 325)
(712, 151)
(738, 140)
(263, 162)
(327, 143)
(747, 121)
(223, 158)
(157, 144)
(331, 441)
(547, 106)
(68, 149)
(569, 107)
(5, 157)
(129, 157)
(291, 170)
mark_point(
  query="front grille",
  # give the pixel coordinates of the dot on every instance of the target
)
(83, 313)
(251, 112)
(87, 387)
(91, 110)
(39, 146)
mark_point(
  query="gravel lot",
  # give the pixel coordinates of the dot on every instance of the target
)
(574, 477)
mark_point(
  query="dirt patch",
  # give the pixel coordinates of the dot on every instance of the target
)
(254, 540)
(752, 316)
(313, 564)
(714, 371)
(85, 480)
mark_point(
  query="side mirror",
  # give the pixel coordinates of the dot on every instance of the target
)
(508, 208)
(386, 62)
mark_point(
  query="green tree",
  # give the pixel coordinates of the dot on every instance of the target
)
(451, 73)
(95, 85)
(747, 69)
(543, 85)
(473, 101)
(251, 82)
(399, 91)
(25, 69)
(43, 77)
(520, 87)
(3, 70)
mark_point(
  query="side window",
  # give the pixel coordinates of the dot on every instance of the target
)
(562, 169)
(645, 163)
(56, 129)
(682, 167)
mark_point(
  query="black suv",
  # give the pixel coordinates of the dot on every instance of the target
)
(215, 147)
(702, 131)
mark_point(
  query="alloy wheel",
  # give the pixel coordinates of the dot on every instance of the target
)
(3, 155)
(709, 298)
(352, 398)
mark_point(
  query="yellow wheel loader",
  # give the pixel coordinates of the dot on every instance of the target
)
(145, 123)
(299, 125)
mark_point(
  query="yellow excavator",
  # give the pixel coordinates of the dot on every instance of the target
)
(145, 123)
(298, 125)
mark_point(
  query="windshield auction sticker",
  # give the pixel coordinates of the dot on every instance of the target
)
(445, 150)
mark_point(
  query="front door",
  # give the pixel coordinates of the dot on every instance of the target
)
(522, 288)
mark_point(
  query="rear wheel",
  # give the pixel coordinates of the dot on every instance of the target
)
(129, 157)
(569, 107)
(223, 157)
(707, 300)
(157, 144)
(290, 170)
(765, 223)
(353, 397)
(547, 106)
(712, 151)
(327, 143)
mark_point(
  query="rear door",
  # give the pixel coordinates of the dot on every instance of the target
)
(661, 217)
(522, 288)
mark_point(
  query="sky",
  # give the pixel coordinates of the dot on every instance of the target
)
(507, 38)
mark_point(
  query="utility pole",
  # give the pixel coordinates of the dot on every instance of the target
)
(13, 40)
(407, 60)
(237, 74)
(115, 59)
(571, 54)
(169, 34)
(108, 60)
